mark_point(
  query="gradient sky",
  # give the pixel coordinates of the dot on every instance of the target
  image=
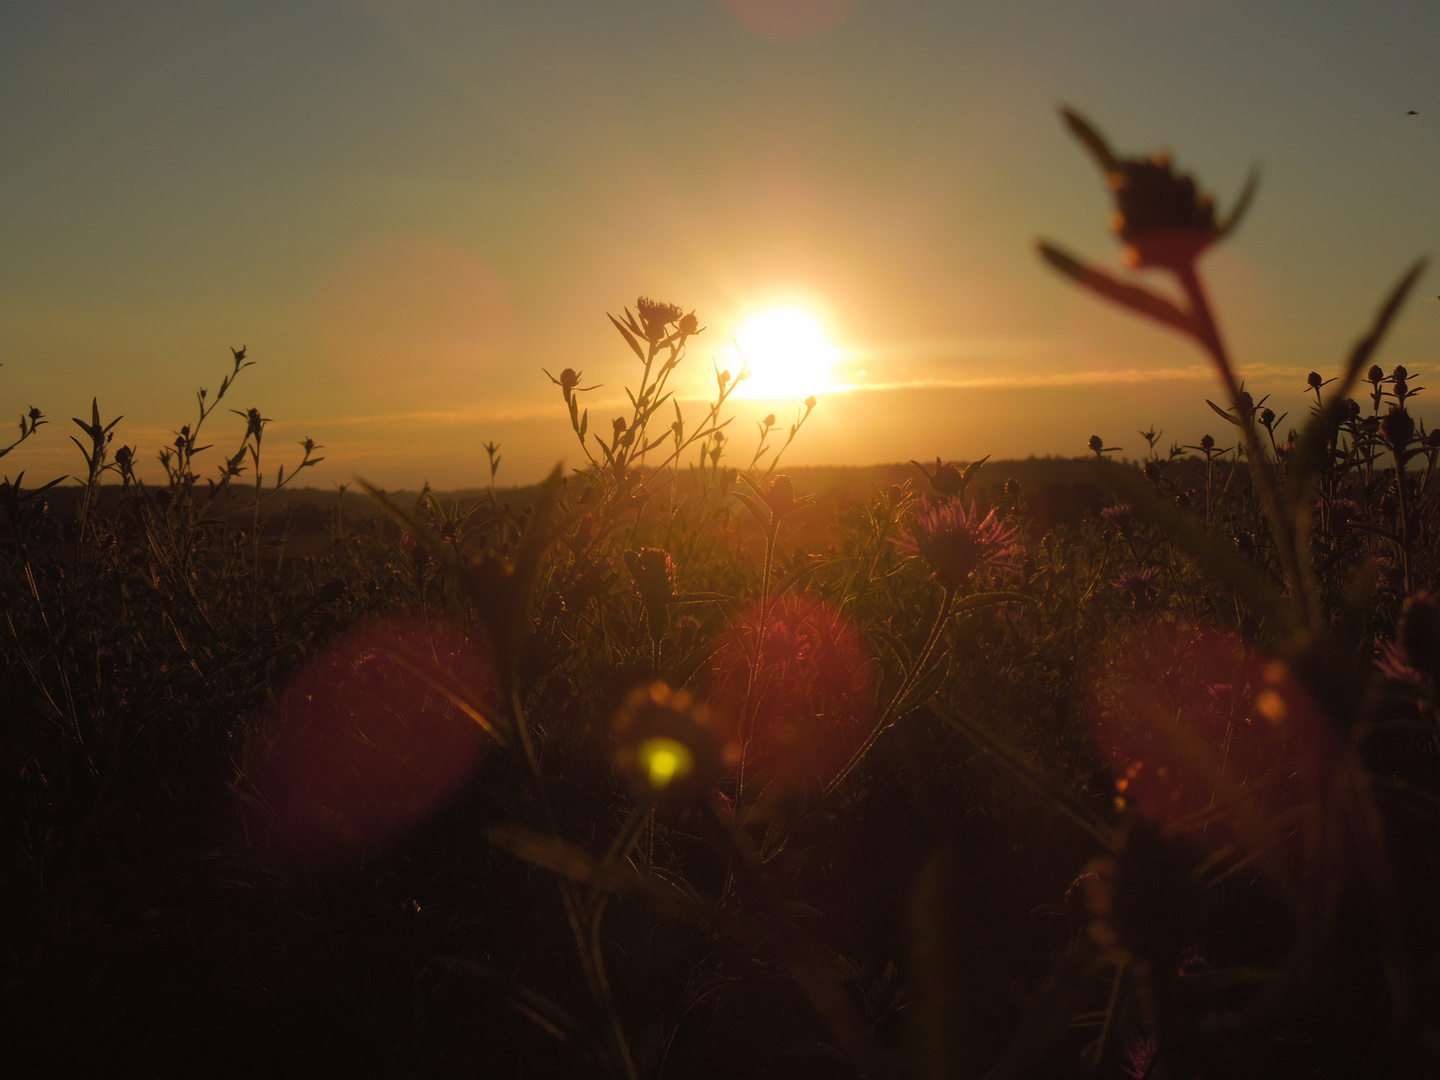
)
(406, 209)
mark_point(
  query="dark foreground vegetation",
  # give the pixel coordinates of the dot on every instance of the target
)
(666, 769)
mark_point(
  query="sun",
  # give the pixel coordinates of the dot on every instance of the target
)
(787, 353)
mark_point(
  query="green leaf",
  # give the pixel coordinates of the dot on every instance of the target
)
(1138, 300)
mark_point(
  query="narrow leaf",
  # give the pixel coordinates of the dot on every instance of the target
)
(1141, 301)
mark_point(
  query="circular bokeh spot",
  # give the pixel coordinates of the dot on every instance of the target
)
(363, 743)
(790, 20)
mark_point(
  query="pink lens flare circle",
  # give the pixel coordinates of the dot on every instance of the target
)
(790, 20)
(813, 701)
(364, 746)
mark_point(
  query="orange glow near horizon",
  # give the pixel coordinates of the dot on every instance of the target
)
(787, 352)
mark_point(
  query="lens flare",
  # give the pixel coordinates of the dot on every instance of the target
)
(664, 760)
(787, 354)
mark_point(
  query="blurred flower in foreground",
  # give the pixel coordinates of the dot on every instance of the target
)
(666, 745)
(959, 544)
(1161, 216)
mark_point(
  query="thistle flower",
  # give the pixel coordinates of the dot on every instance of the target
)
(958, 544)
(1122, 517)
(655, 316)
(1397, 429)
(1142, 584)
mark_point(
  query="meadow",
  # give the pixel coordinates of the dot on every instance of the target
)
(669, 768)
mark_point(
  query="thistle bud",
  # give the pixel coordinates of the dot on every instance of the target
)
(1096, 444)
(1397, 429)
(1207, 443)
(1399, 374)
(1376, 374)
(769, 420)
(569, 379)
(689, 324)
(1314, 381)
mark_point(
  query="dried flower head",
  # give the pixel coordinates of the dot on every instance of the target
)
(959, 544)
(656, 316)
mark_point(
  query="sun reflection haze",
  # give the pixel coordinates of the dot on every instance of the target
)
(787, 352)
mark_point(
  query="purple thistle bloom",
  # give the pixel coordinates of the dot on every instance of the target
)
(1139, 581)
(1393, 662)
(1122, 516)
(959, 544)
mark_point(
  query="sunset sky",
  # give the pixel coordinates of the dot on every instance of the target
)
(406, 209)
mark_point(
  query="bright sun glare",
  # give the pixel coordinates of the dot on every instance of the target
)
(787, 352)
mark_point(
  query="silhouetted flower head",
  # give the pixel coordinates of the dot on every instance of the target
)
(569, 379)
(1163, 218)
(1142, 584)
(1122, 516)
(689, 324)
(1375, 375)
(950, 478)
(1207, 443)
(1314, 381)
(656, 316)
(959, 544)
(1397, 429)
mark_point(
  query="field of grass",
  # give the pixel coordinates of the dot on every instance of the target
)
(681, 766)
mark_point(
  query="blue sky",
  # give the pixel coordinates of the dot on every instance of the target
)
(406, 209)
